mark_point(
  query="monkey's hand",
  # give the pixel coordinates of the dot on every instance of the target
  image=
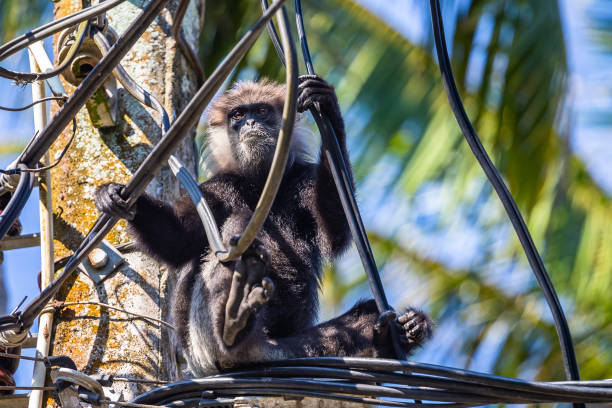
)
(250, 290)
(108, 200)
(414, 328)
(313, 88)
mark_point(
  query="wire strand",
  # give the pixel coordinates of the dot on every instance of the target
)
(59, 305)
(49, 98)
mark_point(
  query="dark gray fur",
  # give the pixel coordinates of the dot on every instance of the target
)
(306, 225)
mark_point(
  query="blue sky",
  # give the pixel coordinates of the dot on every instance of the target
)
(591, 91)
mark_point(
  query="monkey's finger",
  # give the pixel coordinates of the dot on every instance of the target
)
(236, 293)
(382, 323)
(409, 315)
(314, 83)
(121, 206)
(263, 254)
(255, 269)
(256, 299)
(105, 203)
(310, 95)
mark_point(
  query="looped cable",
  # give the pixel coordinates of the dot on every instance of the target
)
(514, 214)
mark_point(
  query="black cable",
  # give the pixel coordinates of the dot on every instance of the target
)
(17, 201)
(372, 379)
(535, 261)
(274, 34)
(49, 98)
(22, 77)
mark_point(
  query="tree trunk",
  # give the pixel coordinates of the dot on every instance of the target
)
(102, 340)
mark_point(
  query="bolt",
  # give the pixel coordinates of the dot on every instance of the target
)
(98, 258)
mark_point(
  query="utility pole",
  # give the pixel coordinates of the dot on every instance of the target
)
(99, 339)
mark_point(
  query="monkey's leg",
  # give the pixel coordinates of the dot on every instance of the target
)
(360, 332)
(250, 290)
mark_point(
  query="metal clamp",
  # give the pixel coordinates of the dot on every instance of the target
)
(65, 379)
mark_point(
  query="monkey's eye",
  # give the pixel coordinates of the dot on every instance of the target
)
(238, 114)
(262, 110)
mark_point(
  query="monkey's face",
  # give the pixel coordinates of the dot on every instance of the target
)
(253, 130)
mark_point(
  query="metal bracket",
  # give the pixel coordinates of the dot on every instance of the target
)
(103, 106)
(101, 262)
(66, 379)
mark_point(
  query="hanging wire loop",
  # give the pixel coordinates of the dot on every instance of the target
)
(535, 261)
(281, 154)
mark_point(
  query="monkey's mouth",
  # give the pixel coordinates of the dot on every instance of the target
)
(252, 133)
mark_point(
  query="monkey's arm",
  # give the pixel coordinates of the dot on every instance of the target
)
(172, 235)
(332, 220)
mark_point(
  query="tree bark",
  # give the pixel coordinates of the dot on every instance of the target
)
(101, 340)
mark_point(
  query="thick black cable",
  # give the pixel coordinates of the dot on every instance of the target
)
(338, 377)
(17, 201)
(188, 118)
(342, 180)
(274, 34)
(535, 261)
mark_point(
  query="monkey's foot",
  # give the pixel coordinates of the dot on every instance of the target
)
(108, 200)
(250, 290)
(415, 328)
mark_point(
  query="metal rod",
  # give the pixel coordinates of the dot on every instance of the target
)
(46, 243)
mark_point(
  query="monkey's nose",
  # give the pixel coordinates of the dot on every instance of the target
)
(250, 122)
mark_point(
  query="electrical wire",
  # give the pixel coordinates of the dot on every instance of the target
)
(535, 261)
(186, 50)
(20, 170)
(49, 98)
(17, 201)
(60, 305)
(371, 380)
